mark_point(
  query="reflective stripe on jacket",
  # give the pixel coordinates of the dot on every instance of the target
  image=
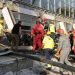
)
(52, 28)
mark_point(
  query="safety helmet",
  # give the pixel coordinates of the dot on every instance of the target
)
(73, 32)
(1, 21)
(52, 21)
(48, 33)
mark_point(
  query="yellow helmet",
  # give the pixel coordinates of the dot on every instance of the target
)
(48, 32)
(51, 21)
(1, 21)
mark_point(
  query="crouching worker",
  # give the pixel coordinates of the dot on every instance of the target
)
(48, 46)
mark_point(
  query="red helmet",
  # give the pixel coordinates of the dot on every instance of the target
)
(58, 30)
(73, 32)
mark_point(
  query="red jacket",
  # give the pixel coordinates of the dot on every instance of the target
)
(38, 29)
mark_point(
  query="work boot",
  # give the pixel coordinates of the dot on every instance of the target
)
(48, 66)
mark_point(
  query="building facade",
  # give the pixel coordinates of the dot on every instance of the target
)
(26, 10)
(64, 7)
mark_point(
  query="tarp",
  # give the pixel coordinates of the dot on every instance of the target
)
(62, 26)
(7, 18)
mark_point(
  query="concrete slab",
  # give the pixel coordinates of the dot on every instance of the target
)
(12, 64)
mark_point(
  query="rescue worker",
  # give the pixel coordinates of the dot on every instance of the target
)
(73, 47)
(71, 40)
(48, 46)
(37, 33)
(51, 28)
(43, 22)
(1, 28)
(16, 31)
(64, 48)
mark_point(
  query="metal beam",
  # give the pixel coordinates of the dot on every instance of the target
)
(32, 6)
(41, 59)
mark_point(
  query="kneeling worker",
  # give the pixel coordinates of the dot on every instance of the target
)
(48, 46)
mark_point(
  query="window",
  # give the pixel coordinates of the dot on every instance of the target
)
(51, 5)
(27, 20)
(44, 4)
(36, 3)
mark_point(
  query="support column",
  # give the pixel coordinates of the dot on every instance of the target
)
(69, 9)
(48, 4)
(40, 3)
(72, 8)
(54, 6)
(60, 7)
(30, 1)
(65, 7)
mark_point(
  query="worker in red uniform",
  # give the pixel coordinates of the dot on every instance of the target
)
(73, 48)
(37, 33)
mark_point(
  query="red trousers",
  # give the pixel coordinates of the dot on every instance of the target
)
(37, 42)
